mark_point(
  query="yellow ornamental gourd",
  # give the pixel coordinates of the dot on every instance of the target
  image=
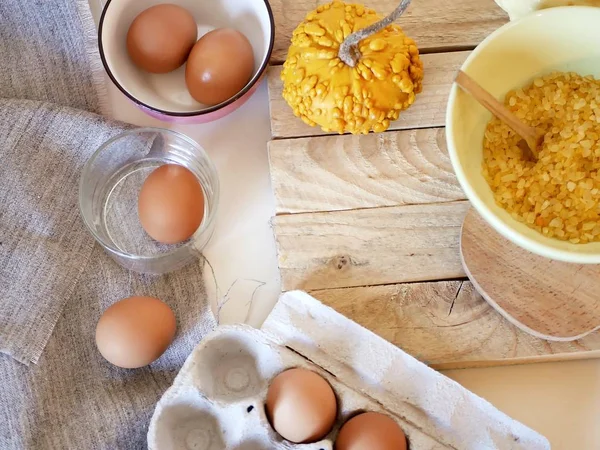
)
(349, 71)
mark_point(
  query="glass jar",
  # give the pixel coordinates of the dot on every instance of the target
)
(109, 189)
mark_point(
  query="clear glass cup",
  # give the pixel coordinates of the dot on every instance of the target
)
(109, 189)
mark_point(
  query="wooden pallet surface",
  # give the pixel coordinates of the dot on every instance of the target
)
(370, 225)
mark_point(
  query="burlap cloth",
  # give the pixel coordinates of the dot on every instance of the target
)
(54, 281)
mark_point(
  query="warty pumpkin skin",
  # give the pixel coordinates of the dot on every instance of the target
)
(322, 90)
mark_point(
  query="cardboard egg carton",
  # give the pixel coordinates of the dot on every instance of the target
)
(217, 400)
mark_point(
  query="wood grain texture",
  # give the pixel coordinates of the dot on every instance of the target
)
(370, 225)
(551, 299)
(448, 325)
(433, 24)
(367, 247)
(429, 109)
(332, 173)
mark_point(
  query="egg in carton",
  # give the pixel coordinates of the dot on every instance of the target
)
(217, 401)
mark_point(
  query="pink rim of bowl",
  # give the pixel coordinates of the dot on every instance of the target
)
(165, 96)
(203, 117)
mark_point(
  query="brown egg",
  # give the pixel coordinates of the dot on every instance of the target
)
(135, 331)
(371, 431)
(171, 204)
(301, 406)
(219, 66)
(160, 38)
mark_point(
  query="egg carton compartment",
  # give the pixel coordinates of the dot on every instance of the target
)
(223, 387)
(188, 420)
(218, 399)
(234, 366)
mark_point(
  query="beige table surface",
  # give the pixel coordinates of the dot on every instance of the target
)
(560, 400)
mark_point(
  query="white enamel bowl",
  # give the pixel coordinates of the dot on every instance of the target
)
(563, 39)
(165, 96)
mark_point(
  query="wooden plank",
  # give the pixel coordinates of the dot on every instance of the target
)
(433, 24)
(448, 325)
(553, 299)
(366, 247)
(358, 216)
(429, 109)
(332, 173)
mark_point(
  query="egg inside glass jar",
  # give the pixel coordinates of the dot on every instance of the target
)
(171, 204)
(220, 64)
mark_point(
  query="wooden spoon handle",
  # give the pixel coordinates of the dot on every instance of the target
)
(488, 101)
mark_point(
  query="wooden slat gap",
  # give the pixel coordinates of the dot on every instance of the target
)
(389, 130)
(461, 279)
(452, 49)
(540, 359)
(424, 51)
(293, 138)
(428, 111)
(349, 210)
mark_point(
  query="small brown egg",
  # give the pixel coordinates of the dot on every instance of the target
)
(301, 406)
(219, 66)
(371, 431)
(135, 331)
(171, 204)
(160, 38)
